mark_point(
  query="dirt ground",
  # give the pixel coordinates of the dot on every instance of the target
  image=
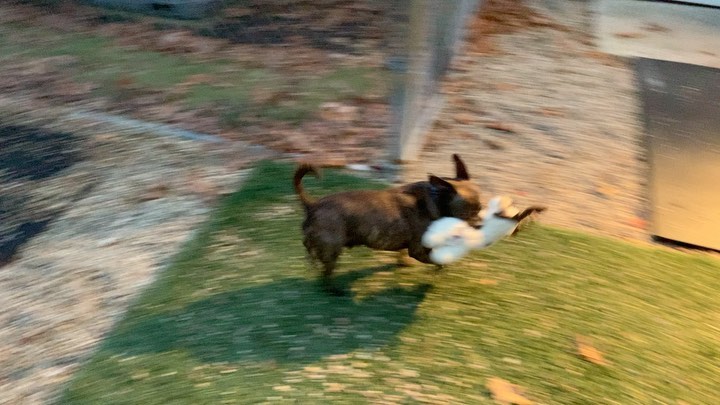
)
(543, 117)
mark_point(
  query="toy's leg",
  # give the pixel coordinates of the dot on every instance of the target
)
(526, 213)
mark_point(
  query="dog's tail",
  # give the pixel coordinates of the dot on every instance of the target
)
(301, 171)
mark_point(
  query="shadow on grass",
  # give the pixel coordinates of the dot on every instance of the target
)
(288, 321)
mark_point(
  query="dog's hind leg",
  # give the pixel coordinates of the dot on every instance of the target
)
(329, 256)
(311, 254)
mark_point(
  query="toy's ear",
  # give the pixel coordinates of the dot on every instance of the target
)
(461, 172)
(441, 184)
(493, 206)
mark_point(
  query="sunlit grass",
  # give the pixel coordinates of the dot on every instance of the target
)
(239, 318)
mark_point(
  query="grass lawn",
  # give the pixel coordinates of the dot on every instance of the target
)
(239, 318)
(107, 65)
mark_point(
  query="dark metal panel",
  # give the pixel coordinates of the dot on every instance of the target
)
(681, 105)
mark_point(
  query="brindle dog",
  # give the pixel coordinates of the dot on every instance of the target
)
(393, 219)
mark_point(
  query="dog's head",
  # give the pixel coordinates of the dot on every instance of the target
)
(458, 197)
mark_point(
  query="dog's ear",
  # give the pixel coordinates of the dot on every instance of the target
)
(442, 184)
(461, 172)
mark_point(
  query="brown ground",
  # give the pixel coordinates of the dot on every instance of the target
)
(540, 115)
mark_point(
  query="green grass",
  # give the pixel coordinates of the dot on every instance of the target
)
(239, 318)
(102, 62)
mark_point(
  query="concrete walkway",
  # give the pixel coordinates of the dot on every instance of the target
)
(659, 30)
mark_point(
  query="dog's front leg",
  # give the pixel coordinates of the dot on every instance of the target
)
(421, 253)
(404, 259)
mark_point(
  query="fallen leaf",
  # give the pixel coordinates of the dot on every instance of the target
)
(551, 112)
(589, 352)
(202, 187)
(200, 78)
(236, 12)
(587, 39)
(333, 111)
(124, 81)
(493, 144)
(628, 35)
(504, 392)
(502, 17)
(154, 193)
(465, 118)
(604, 58)
(606, 190)
(267, 95)
(500, 126)
(637, 222)
(505, 86)
(654, 27)
(334, 387)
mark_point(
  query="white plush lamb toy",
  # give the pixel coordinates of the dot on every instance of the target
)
(451, 238)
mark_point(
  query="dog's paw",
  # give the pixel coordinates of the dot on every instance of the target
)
(403, 260)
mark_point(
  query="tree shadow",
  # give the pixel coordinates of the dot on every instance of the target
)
(288, 321)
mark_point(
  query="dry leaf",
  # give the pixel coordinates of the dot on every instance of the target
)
(500, 126)
(494, 145)
(589, 352)
(236, 12)
(200, 78)
(334, 387)
(505, 86)
(504, 392)
(606, 190)
(628, 35)
(154, 192)
(551, 112)
(654, 27)
(202, 187)
(637, 222)
(333, 111)
(125, 81)
(465, 118)
(604, 58)
(496, 17)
